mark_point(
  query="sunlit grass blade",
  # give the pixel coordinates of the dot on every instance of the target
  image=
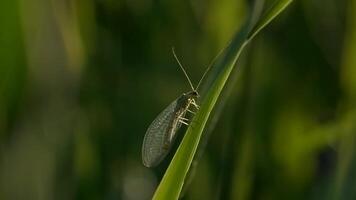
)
(172, 182)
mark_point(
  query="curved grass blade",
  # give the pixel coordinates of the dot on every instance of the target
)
(172, 182)
(255, 9)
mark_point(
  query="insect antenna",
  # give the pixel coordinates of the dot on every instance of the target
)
(181, 66)
(207, 69)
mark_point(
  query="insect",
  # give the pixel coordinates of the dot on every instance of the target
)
(161, 133)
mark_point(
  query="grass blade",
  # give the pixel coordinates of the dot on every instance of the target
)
(172, 182)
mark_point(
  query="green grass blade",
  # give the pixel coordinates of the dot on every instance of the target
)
(268, 16)
(172, 182)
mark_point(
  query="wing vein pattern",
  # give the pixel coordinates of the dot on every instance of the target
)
(156, 144)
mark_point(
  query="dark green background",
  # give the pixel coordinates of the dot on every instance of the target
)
(81, 80)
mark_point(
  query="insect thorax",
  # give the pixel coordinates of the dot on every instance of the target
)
(188, 98)
(183, 103)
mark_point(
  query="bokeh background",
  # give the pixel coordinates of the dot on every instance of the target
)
(81, 80)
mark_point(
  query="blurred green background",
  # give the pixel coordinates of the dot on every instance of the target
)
(80, 81)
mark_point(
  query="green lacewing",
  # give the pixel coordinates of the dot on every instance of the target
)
(161, 133)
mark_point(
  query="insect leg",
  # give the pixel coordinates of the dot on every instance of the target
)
(183, 122)
(191, 111)
(182, 118)
(194, 104)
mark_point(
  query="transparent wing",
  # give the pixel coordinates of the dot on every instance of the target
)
(154, 147)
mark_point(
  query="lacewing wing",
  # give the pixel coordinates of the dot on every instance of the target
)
(161, 133)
